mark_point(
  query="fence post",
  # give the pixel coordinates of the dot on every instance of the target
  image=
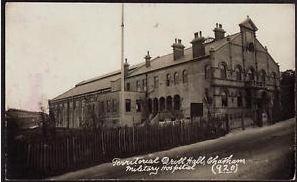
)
(242, 122)
(28, 155)
(102, 144)
(133, 138)
(227, 124)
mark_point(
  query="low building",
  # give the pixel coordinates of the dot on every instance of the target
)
(24, 120)
(219, 75)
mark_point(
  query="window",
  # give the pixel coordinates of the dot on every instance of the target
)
(175, 78)
(162, 104)
(108, 106)
(248, 99)
(150, 106)
(138, 105)
(238, 72)
(274, 77)
(144, 84)
(251, 74)
(251, 47)
(128, 86)
(128, 105)
(102, 106)
(239, 100)
(176, 102)
(185, 76)
(113, 106)
(156, 82)
(169, 103)
(263, 76)
(207, 72)
(156, 105)
(168, 79)
(224, 99)
(138, 85)
(223, 70)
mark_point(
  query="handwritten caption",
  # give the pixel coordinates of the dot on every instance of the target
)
(152, 166)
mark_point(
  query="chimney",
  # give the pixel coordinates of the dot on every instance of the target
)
(198, 48)
(178, 49)
(126, 67)
(211, 53)
(219, 32)
(228, 38)
(147, 59)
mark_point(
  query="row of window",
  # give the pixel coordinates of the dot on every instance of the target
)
(108, 106)
(224, 99)
(128, 105)
(156, 105)
(141, 85)
(238, 73)
(176, 78)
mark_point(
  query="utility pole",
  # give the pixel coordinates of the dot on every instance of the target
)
(122, 105)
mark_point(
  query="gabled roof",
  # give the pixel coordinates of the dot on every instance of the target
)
(93, 84)
(248, 23)
(167, 60)
(104, 81)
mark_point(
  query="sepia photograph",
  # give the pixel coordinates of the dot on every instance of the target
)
(148, 91)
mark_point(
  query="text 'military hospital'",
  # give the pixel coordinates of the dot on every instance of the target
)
(220, 75)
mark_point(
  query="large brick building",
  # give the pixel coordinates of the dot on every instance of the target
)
(224, 74)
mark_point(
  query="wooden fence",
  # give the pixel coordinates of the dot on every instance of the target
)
(79, 149)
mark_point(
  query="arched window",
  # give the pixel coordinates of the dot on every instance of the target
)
(138, 105)
(251, 47)
(113, 105)
(169, 103)
(150, 107)
(263, 76)
(168, 79)
(224, 97)
(156, 82)
(162, 104)
(128, 105)
(175, 78)
(108, 106)
(239, 99)
(223, 70)
(185, 76)
(156, 105)
(251, 74)
(138, 85)
(238, 72)
(273, 75)
(207, 72)
(176, 101)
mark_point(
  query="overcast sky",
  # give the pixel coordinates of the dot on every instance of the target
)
(52, 46)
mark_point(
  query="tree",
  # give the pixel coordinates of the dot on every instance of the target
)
(287, 95)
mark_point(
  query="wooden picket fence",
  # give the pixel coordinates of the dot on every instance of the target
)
(79, 149)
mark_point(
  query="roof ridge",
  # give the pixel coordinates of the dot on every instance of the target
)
(156, 58)
(235, 35)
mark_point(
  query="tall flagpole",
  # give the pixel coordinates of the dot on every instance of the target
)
(122, 106)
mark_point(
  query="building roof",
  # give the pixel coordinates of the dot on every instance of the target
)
(90, 86)
(167, 60)
(104, 81)
(25, 119)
